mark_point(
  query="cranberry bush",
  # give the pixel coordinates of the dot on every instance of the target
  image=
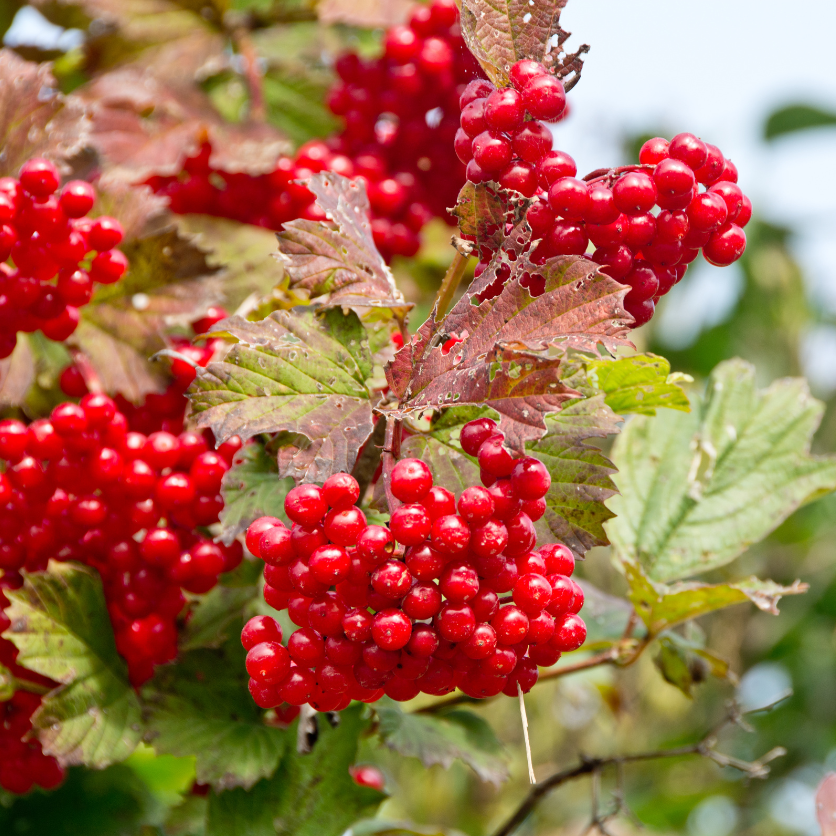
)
(244, 539)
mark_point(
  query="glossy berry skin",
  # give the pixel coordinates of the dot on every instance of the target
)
(343, 526)
(569, 634)
(305, 505)
(688, 148)
(375, 544)
(260, 628)
(39, 177)
(439, 502)
(330, 564)
(450, 535)
(530, 479)
(635, 193)
(544, 97)
(504, 110)
(459, 582)
(275, 546)
(341, 491)
(523, 71)
(476, 505)
(411, 480)
(494, 458)
(268, 663)
(455, 623)
(391, 629)
(422, 601)
(368, 776)
(392, 579)
(475, 433)
(510, 624)
(410, 525)
(569, 197)
(532, 593)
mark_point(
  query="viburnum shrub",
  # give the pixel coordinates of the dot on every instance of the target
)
(414, 498)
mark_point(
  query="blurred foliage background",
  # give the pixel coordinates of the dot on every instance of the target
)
(764, 313)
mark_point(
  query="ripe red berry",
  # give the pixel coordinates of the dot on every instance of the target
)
(489, 539)
(391, 629)
(494, 458)
(569, 634)
(77, 198)
(459, 582)
(689, 149)
(476, 505)
(260, 628)
(330, 564)
(410, 525)
(450, 535)
(411, 480)
(268, 663)
(341, 490)
(544, 97)
(635, 193)
(569, 197)
(475, 433)
(422, 601)
(523, 71)
(375, 544)
(365, 775)
(726, 245)
(39, 177)
(530, 479)
(439, 502)
(392, 579)
(532, 593)
(510, 624)
(455, 622)
(653, 151)
(491, 151)
(504, 110)
(305, 505)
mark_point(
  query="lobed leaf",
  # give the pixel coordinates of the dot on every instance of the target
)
(661, 606)
(639, 384)
(698, 488)
(201, 707)
(484, 209)
(491, 361)
(441, 739)
(292, 372)
(61, 628)
(338, 260)
(500, 32)
(309, 795)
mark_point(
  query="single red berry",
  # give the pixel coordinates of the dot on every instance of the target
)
(553, 166)
(532, 593)
(14, 437)
(305, 505)
(523, 71)
(391, 629)
(375, 544)
(411, 480)
(330, 564)
(473, 118)
(341, 490)
(689, 149)
(77, 198)
(255, 531)
(601, 208)
(707, 212)
(268, 663)
(530, 479)
(260, 628)
(424, 562)
(726, 245)
(105, 234)
(344, 526)
(39, 177)
(653, 151)
(569, 197)
(357, 625)
(423, 642)
(369, 776)
(635, 193)
(544, 97)
(391, 579)
(482, 642)
(489, 539)
(504, 110)
(491, 151)
(519, 176)
(410, 525)
(673, 177)
(306, 647)
(510, 624)
(560, 559)
(640, 309)
(494, 458)
(439, 502)
(298, 686)
(450, 535)
(479, 88)
(569, 633)
(476, 505)
(455, 622)
(532, 142)
(475, 433)
(459, 582)
(422, 601)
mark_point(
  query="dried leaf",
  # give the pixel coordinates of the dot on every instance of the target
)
(484, 209)
(367, 14)
(143, 126)
(292, 372)
(35, 119)
(500, 32)
(491, 361)
(338, 260)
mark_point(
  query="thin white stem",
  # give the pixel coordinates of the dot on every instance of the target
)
(524, 717)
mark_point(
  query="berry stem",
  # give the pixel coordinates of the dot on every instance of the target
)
(449, 284)
(390, 455)
(252, 73)
(369, 458)
(85, 367)
(531, 778)
(611, 174)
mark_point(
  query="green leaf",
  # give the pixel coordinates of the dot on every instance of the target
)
(661, 606)
(338, 262)
(188, 818)
(639, 384)
(293, 372)
(581, 473)
(606, 616)
(441, 739)
(220, 613)
(698, 488)
(381, 827)
(295, 104)
(109, 802)
(7, 684)
(251, 489)
(797, 117)
(500, 32)
(201, 707)
(310, 795)
(61, 627)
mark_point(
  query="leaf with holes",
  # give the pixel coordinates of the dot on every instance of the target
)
(639, 384)
(309, 795)
(500, 32)
(697, 489)
(35, 119)
(338, 260)
(251, 489)
(484, 209)
(661, 606)
(296, 373)
(61, 628)
(491, 362)
(442, 739)
(201, 707)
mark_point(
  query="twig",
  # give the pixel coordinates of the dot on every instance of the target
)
(613, 173)
(390, 454)
(252, 72)
(531, 778)
(594, 766)
(449, 284)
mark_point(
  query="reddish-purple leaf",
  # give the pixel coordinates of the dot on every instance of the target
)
(484, 209)
(338, 260)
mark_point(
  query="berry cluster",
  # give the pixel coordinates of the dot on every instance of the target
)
(81, 486)
(50, 242)
(23, 763)
(400, 112)
(645, 223)
(414, 607)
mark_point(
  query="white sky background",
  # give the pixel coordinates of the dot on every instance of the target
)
(716, 68)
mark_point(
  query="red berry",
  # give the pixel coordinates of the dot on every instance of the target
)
(344, 526)
(510, 624)
(491, 151)
(553, 166)
(569, 633)
(689, 149)
(391, 629)
(653, 151)
(422, 601)
(450, 535)
(410, 525)
(476, 505)
(525, 70)
(341, 490)
(411, 480)
(475, 433)
(439, 502)
(455, 623)
(494, 458)
(392, 579)
(105, 234)
(635, 193)
(39, 177)
(260, 628)
(305, 505)
(255, 531)
(77, 198)
(569, 197)
(268, 663)
(544, 97)
(369, 776)
(726, 245)
(532, 593)
(530, 479)
(489, 539)
(330, 564)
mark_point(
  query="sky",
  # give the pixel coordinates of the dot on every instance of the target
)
(716, 68)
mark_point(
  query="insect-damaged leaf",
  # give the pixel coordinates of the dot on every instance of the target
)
(500, 32)
(338, 260)
(492, 362)
(297, 373)
(484, 209)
